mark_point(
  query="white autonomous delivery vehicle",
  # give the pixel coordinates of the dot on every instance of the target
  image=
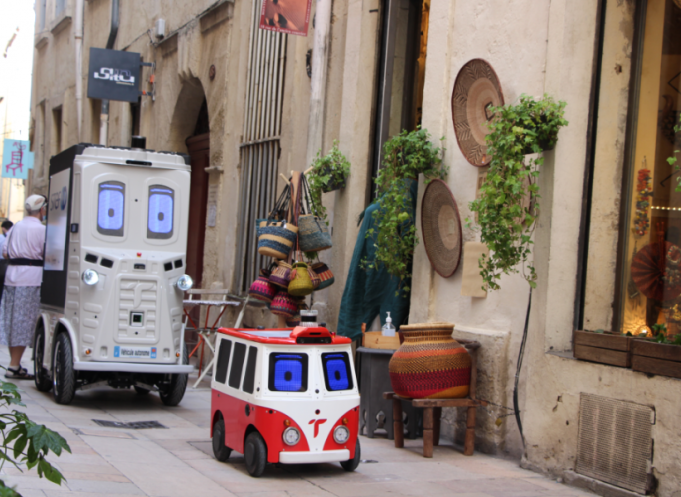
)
(113, 277)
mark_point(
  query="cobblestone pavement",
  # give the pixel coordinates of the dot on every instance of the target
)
(178, 461)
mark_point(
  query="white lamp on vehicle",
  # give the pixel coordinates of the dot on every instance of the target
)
(291, 436)
(341, 434)
(184, 282)
(90, 277)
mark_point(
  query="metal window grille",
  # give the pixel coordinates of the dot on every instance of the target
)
(260, 145)
(59, 7)
(615, 442)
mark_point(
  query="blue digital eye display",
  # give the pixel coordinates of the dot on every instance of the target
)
(337, 371)
(160, 216)
(111, 208)
(288, 372)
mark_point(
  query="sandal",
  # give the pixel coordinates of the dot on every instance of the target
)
(18, 374)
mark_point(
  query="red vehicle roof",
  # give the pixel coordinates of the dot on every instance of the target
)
(287, 336)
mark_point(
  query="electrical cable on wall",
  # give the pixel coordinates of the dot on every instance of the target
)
(521, 353)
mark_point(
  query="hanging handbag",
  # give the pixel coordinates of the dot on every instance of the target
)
(324, 274)
(313, 233)
(262, 289)
(301, 283)
(276, 238)
(284, 305)
(281, 275)
(314, 277)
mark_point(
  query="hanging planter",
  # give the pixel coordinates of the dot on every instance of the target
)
(508, 204)
(329, 173)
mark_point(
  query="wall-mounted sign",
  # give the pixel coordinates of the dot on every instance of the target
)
(286, 16)
(17, 159)
(114, 75)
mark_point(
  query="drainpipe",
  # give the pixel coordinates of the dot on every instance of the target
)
(104, 116)
(79, 64)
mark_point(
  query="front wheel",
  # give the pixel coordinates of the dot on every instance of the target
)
(42, 375)
(351, 464)
(172, 394)
(63, 374)
(221, 451)
(255, 454)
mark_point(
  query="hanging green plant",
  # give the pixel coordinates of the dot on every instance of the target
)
(328, 173)
(673, 159)
(405, 156)
(508, 203)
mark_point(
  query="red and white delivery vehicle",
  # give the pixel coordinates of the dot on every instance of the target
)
(285, 396)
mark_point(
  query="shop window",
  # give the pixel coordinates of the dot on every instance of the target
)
(111, 208)
(160, 212)
(650, 292)
(288, 372)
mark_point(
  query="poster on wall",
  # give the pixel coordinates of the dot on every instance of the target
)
(286, 16)
(17, 158)
(55, 238)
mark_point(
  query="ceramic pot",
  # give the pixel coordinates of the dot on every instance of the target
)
(430, 364)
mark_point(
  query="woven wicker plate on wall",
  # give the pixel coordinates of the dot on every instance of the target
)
(475, 90)
(441, 226)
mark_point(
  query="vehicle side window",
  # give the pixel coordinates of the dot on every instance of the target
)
(237, 365)
(288, 372)
(160, 217)
(111, 208)
(337, 370)
(223, 360)
(249, 376)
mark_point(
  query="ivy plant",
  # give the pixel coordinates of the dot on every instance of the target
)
(508, 203)
(673, 159)
(25, 442)
(405, 156)
(328, 173)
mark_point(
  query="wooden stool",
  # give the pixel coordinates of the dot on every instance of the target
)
(432, 410)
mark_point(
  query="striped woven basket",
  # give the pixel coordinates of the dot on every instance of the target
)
(262, 289)
(324, 273)
(313, 234)
(276, 239)
(430, 364)
(281, 275)
(284, 304)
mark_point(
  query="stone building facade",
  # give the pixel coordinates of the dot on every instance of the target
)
(600, 57)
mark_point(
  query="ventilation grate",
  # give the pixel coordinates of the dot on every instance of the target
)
(615, 442)
(136, 425)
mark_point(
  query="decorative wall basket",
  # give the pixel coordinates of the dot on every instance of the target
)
(430, 364)
(476, 89)
(441, 226)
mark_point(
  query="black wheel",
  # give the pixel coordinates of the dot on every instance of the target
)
(172, 394)
(255, 454)
(42, 375)
(63, 375)
(140, 390)
(221, 451)
(351, 464)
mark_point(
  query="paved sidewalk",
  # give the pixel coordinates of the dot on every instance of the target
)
(178, 461)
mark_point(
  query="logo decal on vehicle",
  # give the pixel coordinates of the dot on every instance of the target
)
(317, 422)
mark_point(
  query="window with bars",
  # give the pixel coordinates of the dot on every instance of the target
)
(260, 147)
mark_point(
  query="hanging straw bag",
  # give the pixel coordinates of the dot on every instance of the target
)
(324, 274)
(284, 304)
(301, 283)
(313, 233)
(276, 238)
(281, 275)
(314, 277)
(262, 289)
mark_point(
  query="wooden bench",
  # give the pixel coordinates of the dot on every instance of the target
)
(432, 411)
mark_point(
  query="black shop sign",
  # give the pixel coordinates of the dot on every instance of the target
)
(114, 75)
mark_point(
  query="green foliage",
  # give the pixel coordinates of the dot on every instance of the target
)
(25, 442)
(673, 159)
(405, 156)
(509, 199)
(328, 171)
(659, 329)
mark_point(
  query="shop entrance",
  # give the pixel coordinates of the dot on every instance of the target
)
(402, 70)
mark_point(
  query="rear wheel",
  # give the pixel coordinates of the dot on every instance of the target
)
(172, 393)
(63, 374)
(255, 454)
(351, 464)
(42, 375)
(221, 451)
